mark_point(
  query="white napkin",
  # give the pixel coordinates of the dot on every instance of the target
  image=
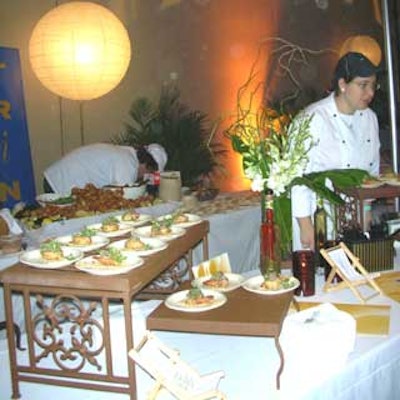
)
(316, 343)
(10, 221)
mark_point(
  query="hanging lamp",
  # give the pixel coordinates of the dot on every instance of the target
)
(365, 45)
(79, 50)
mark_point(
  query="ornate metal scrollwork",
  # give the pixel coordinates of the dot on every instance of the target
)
(66, 330)
(173, 277)
(347, 214)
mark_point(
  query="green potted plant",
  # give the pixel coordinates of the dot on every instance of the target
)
(184, 133)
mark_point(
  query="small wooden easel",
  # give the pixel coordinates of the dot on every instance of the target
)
(348, 267)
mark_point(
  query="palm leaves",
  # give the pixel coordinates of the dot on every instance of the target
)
(340, 178)
(184, 134)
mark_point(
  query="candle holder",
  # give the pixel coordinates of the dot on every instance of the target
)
(304, 271)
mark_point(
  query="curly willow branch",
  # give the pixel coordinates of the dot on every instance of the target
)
(289, 54)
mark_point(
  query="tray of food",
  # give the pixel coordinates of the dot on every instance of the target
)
(195, 300)
(264, 285)
(220, 281)
(109, 262)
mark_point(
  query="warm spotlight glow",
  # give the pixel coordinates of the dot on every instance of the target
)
(365, 45)
(80, 50)
(241, 41)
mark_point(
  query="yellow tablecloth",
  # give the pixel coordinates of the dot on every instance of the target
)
(390, 284)
(370, 319)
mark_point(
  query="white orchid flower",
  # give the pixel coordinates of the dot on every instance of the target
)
(257, 185)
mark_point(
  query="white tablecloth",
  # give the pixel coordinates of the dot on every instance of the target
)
(238, 234)
(250, 364)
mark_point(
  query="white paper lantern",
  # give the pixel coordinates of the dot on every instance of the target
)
(365, 45)
(80, 50)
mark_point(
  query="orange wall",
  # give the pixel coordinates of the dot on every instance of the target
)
(235, 45)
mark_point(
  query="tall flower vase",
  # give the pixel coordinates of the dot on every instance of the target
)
(283, 222)
(270, 259)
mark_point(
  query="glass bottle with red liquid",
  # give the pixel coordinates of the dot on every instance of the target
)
(320, 233)
(153, 183)
(269, 239)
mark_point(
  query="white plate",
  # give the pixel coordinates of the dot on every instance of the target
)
(140, 221)
(155, 246)
(393, 183)
(372, 185)
(45, 199)
(145, 231)
(123, 230)
(176, 301)
(388, 178)
(97, 242)
(89, 265)
(254, 285)
(235, 281)
(34, 259)
(192, 220)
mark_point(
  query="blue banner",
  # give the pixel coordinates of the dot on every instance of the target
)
(16, 173)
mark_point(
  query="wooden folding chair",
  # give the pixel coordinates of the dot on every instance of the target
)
(171, 373)
(348, 267)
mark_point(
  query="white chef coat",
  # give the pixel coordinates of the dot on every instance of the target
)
(342, 142)
(100, 164)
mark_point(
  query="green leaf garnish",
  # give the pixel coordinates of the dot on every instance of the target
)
(51, 245)
(63, 200)
(194, 293)
(163, 222)
(114, 254)
(87, 232)
(110, 220)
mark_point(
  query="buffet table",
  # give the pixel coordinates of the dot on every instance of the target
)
(225, 214)
(250, 363)
(265, 320)
(234, 227)
(64, 326)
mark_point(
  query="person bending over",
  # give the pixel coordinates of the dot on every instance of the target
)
(103, 164)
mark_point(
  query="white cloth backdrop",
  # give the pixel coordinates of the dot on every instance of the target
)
(236, 233)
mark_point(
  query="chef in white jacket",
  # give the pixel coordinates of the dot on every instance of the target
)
(346, 134)
(103, 164)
